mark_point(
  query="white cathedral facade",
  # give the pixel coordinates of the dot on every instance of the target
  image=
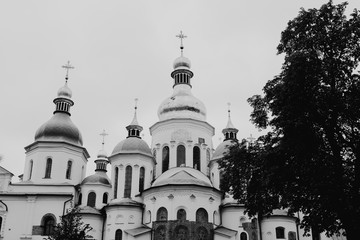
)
(168, 190)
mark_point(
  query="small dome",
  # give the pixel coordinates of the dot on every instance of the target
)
(64, 91)
(182, 104)
(102, 154)
(59, 128)
(182, 62)
(222, 149)
(182, 176)
(97, 178)
(132, 145)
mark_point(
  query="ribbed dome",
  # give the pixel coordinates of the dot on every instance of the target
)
(182, 104)
(132, 145)
(182, 176)
(64, 91)
(59, 128)
(222, 149)
(182, 62)
(97, 178)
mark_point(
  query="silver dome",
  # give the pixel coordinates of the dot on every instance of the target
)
(97, 178)
(182, 62)
(59, 128)
(132, 145)
(64, 91)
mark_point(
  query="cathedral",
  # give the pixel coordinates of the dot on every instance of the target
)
(165, 190)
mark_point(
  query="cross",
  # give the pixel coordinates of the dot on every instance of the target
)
(251, 139)
(103, 134)
(229, 104)
(67, 67)
(136, 100)
(181, 36)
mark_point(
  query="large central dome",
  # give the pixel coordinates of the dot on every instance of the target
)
(182, 103)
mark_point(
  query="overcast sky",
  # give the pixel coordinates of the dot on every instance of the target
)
(122, 50)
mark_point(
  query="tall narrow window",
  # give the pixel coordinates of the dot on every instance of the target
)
(180, 156)
(48, 225)
(31, 168)
(202, 215)
(141, 179)
(116, 182)
(207, 161)
(105, 198)
(181, 215)
(280, 232)
(48, 168)
(0, 223)
(68, 169)
(118, 234)
(80, 199)
(196, 157)
(165, 159)
(162, 214)
(91, 199)
(128, 180)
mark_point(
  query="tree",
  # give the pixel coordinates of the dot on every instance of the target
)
(71, 227)
(309, 161)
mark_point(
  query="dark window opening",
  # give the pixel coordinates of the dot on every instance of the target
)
(180, 156)
(141, 179)
(48, 168)
(165, 159)
(162, 214)
(181, 215)
(196, 158)
(128, 180)
(91, 199)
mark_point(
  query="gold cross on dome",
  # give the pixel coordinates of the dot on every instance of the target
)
(103, 134)
(67, 67)
(181, 36)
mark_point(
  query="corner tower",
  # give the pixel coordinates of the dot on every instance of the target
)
(57, 155)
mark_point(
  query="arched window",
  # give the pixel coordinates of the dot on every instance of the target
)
(128, 180)
(243, 236)
(162, 214)
(116, 182)
(31, 168)
(181, 215)
(68, 169)
(105, 198)
(118, 234)
(80, 199)
(180, 154)
(48, 224)
(202, 215)
(280, 232)
(165, 158)
(196, 157)
(91, 199)
(48, 168)
(141, 179)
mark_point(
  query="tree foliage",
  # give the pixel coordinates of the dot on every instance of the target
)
(309, 161)
(71, 227)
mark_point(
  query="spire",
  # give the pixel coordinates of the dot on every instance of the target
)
(230, 131)
(134, 128)
(63, 101)
(102, 161)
